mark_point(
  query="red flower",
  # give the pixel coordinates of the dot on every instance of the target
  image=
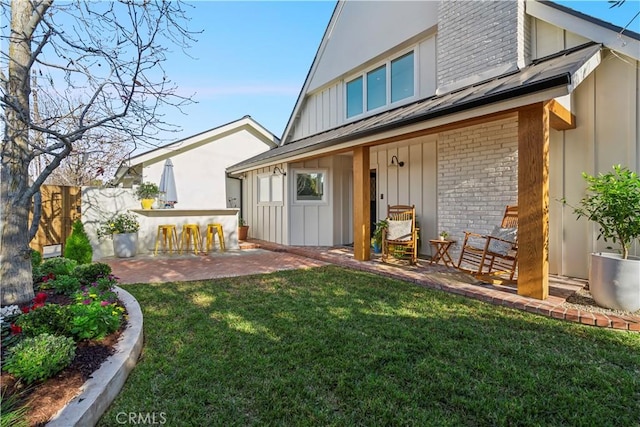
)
(37, 305)
(25, 310)
(15, 329)
(40, 298)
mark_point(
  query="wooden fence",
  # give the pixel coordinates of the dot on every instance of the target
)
(60, 208)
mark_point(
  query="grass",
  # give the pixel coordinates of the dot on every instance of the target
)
(330, 346)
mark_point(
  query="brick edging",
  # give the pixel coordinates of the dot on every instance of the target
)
(517, 302)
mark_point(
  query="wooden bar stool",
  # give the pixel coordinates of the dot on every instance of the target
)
(212, 231)
(191, 232)
(168, 236)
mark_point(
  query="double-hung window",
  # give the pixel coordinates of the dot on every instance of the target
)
(381, 86)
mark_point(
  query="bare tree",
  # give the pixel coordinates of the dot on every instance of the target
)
(99, 68)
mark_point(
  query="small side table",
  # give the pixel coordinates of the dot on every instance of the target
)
(441, 248)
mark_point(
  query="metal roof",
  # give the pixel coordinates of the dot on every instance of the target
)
(545, 73)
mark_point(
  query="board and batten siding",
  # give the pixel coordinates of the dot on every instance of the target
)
(312, 224)
(324, 109)
(413, 184)
(606, 107)
(266, 221)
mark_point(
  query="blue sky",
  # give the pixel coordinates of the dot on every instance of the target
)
(253, 57)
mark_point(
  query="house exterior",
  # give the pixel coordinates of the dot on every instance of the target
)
(206, 194)
(485, 104)
(200, 162)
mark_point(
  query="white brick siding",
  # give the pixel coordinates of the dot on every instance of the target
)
(477, 177)
(476, 36)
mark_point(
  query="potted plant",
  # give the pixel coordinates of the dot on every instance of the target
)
(146, 193)
(376, 240)
(243, 229)
(444, 235)
(123, 230)
(613, 202)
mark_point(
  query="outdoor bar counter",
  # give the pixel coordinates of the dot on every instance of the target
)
(150, 219)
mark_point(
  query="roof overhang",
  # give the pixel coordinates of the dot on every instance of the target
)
(546, 79)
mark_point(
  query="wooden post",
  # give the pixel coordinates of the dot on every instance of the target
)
(361, 205)
(533, 201)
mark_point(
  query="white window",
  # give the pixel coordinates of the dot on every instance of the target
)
(270, 190)
(310, 186)
(384, 85)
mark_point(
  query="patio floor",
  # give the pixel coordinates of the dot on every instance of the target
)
(265, 257)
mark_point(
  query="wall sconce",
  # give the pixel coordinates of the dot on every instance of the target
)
(397, 162)
(277, 170)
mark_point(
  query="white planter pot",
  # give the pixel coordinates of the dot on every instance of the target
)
(125, 245)
(615, 282)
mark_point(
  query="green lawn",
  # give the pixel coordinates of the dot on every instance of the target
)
(330, 346)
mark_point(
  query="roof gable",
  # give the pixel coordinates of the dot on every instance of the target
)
(360, 33)
(614, 37)
(159, 154)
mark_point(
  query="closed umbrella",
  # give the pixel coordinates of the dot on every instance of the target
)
(168, 184)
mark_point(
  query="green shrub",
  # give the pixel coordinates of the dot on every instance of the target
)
(41, 357)
(78, 246)
(58, 266)
(95, 320)
(51, 319)
(36, 261)
(36, 258)
(65, 284)
(89, 273)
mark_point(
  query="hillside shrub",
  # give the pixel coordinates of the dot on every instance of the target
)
(78, 247)
(89, 273)
(41, 357)
(95, 319)
(51, 319)
(57, 266)
(64, 284)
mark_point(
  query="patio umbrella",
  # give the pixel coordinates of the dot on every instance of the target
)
(168, 184)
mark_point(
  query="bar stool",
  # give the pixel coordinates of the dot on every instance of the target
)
(191, 232)
(168, 235)
(212, 231)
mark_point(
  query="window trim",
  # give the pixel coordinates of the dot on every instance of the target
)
(387, 64)
(325, 186)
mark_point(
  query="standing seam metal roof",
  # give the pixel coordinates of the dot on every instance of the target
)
(545, 73)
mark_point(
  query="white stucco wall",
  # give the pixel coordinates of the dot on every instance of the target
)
(102, 204)
(200, 171)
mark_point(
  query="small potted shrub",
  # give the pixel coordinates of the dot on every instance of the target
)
(613, 202)
(444, 235)
(243, 229)
(146, 193)
(376, 240)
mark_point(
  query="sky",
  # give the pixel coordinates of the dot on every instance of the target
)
(252, 58)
